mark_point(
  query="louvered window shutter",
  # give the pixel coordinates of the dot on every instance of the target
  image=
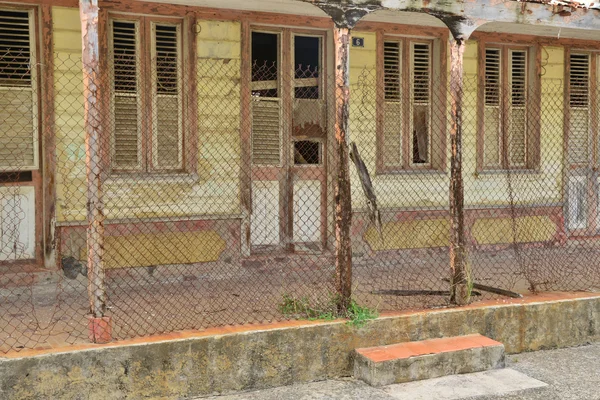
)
(266, 131)
(126, 97)
(421, 102)
(392, 129)
(517, 133)
(167, 97)
(579, 105)
(492, 124)
(18, 98)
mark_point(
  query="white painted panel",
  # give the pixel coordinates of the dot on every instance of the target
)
(577, 203)
(264, 222)
(598, 203)
(307, 211)
(17, 223)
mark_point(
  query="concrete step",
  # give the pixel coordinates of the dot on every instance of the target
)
(413, 361)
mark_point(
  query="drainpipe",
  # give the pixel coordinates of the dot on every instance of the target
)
(342, 190)
(99, 324)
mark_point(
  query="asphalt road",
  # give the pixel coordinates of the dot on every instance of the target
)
(565, 374)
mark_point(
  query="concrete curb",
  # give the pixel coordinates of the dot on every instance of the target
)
(274, 357)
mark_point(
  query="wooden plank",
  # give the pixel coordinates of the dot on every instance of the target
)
(460, 285)
(49, 142)
(88, 10)
(342, 190)
(246, 138)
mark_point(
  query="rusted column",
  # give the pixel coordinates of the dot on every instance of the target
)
(342, 195)
(49, 166)
(459, 290)
(99, 325)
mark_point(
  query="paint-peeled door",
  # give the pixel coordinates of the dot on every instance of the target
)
(307, 212)
(288, 141)
(17, 223)
(264, 222)
(309, 122)
(268, 165)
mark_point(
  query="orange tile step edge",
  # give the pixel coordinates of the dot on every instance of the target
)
(431, 346)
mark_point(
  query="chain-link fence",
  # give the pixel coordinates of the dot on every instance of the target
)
(218, 203)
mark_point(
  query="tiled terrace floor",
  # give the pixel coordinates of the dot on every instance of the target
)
(151, 301)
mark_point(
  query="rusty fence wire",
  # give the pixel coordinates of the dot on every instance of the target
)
(218, 198)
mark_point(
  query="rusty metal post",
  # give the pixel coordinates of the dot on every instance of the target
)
(99, 324)
(459, 290)
(342, 194)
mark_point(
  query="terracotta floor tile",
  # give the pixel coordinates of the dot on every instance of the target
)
(401, 352)
(457, 344)
(420, 348)
(381, 357)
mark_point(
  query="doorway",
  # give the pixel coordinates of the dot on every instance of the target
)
(289, 141)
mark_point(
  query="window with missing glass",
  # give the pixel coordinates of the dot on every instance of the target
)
(411, 131)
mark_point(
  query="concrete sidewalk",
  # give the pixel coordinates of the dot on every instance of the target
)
(565, 374)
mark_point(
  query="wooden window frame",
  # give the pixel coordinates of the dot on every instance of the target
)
(36, 84)
(594, 105)
(285, 87)
(437, 106)
(532, 111)
(578, 172)
(188, 101)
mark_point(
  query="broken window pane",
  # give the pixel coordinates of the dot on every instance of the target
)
(307, 152)
(420, 135)
(265, 64)
(307, 65)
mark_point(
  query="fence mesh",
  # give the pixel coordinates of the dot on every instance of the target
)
(218, 198)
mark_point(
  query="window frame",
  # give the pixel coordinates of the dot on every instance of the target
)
(532, 108)
(187, 115)
(579, 172)
(35, 85)
(593, 106)
(437, 104)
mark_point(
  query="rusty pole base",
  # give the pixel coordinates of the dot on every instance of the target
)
(100, 329)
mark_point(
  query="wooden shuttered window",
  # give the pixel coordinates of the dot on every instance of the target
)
(166, 96)
(126, 95)
(147, 95)
(421, 103)
(267, 124)
(407, 106)
(579, 108)
(18, 91)
(507, 109)
(392, 127)
(266, 132)
(517, 112)
(492, 106)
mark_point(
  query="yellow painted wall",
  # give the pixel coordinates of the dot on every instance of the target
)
(520, 230)
(144, 250)
(409, 235)
(430, 189)
(68, 89)
(214, 189)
